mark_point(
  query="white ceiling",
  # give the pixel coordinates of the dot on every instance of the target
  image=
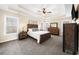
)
(32, 9)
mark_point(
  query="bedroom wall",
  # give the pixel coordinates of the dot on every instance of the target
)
(22, 22)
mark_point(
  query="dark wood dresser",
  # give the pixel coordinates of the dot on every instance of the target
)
(54, 30)
(22, 35)
(70, 38)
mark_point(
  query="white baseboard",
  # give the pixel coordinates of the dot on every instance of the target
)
(6, 40)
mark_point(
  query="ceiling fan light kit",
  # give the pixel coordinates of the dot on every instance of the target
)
(44, 11)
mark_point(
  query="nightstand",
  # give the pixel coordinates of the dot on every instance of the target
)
(22, 35)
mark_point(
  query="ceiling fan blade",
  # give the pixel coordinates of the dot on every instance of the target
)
(49, 12)
(39, 11)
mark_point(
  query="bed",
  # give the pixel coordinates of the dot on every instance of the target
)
(39, 35)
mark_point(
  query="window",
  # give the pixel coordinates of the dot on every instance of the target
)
(10, 25)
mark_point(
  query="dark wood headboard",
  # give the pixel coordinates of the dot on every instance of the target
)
(32, 26)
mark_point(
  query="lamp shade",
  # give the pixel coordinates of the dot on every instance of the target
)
(74, 13)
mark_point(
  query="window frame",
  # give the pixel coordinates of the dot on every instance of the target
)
(5, 24)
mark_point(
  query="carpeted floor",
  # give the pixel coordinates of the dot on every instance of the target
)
(29, 46)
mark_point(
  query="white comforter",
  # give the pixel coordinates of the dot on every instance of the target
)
(36, 34)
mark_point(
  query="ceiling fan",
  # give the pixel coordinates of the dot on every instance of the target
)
(44, 11)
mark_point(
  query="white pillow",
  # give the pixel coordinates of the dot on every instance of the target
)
(30, 29)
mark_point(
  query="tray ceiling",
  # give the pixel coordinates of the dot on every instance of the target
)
(32, 9)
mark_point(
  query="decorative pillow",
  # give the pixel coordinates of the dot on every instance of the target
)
(41, 30)
(35, 29)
